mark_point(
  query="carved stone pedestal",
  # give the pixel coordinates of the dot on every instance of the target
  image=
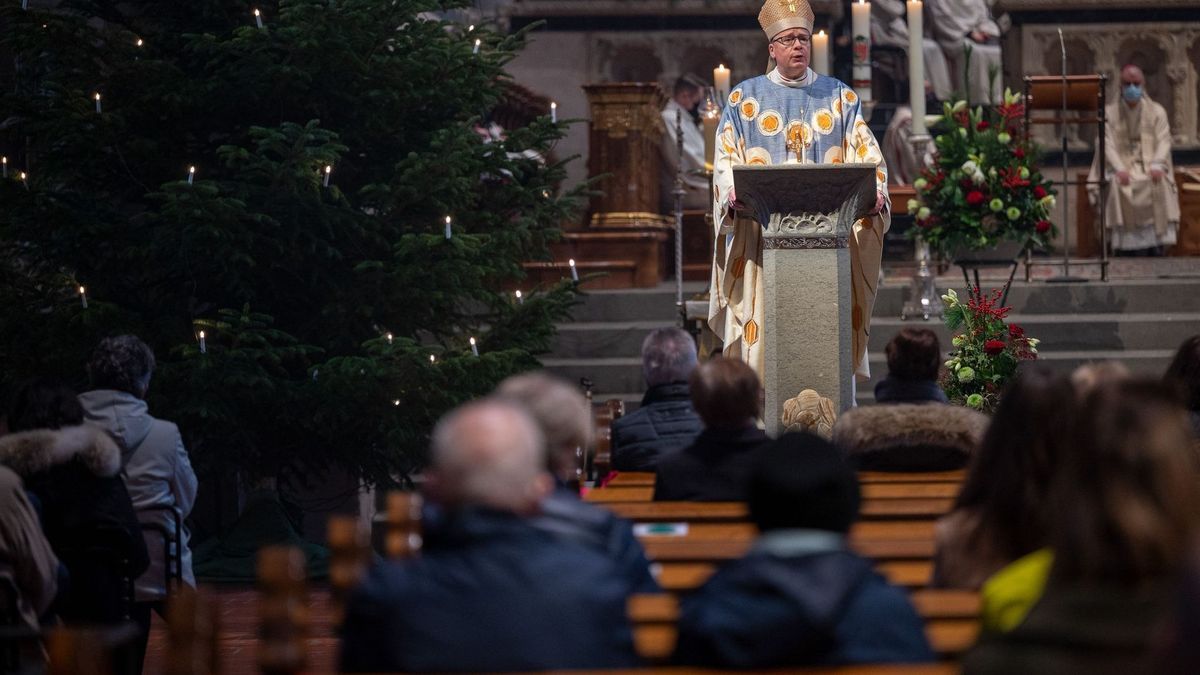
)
(808, 212)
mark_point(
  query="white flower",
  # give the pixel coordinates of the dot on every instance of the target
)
(1024, 173)
(966, 374)
(959, 106)
(1003, 137)
(978, 178)
(962, 132)
(920, 183)
(923, 213)
(1048, 201)
(913, 205)
(970, 166)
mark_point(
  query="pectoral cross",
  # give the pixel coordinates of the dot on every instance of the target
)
(795, 141)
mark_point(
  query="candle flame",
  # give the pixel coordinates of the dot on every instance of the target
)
(821, 32)
(472, 342)
(3, 160)
(191, 169)
(97, 96)
(82, 290)
(139, 42)
(571, 262)
(478, 42)
(470, 28)
(432, 358)
(258, 13)
(201, 335)
(389, 338)
(720, 66)
(23, 175)
(518, 292)
(396, 402)
(447, 220)
(328, 168)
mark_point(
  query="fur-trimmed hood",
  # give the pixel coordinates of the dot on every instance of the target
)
(29, 453)
(910, 436)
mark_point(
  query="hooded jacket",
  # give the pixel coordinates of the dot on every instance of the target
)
(73, 475)
(157, 472)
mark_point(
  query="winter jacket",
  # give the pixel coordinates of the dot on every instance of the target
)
(26, 559)
(822, 607)
(494, 594)
(715, 468)
(893, 390)
(664, 422)
(86, 514)
(909, 436)
(157, 472)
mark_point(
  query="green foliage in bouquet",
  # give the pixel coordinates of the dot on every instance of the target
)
(337, 313)
(984, 185)
(986, 350)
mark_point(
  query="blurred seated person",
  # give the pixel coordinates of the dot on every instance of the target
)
(1001, 512)
(1099, 596)
(800, 597)
(496, 593)
(665, 420)
(889, 28)
(1184, 373)
(909, 430)
(686, 98)
(970, 39)
(714, 468)
(73, 472)
(563, 415)
(26, 559)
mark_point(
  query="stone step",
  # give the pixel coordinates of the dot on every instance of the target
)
(600, 339)
(595, 274)
(1074, 332)
(633, 304)
(608, 374)
(1093, 297)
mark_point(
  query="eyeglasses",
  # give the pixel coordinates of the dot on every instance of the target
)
(791, 40)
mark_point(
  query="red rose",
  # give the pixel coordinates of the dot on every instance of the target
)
(975, 198)
(1042, 226)
(983, 124)
(993, 347)
(1019, 152)
(966, 183)
(1039, 191)
(1015, 331)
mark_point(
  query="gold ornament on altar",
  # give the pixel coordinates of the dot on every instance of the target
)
(779, 15)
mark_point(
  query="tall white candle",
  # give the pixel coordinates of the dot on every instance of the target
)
(712, 115)
(820, 53)
(520, 299)
(97, 97)
(203, 344)
(721, 81)
(553, 112)
(83, 296)
(860, 30)
(258, 18)
(191, 174)
(328, 170)
(574, 272)
(389, 338)
(477, 43)
(916, 66)
(447, 227)
(474, 347)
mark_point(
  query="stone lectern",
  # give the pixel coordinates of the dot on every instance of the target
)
(807, 212)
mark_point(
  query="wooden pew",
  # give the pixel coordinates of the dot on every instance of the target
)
(872, 507)
(682, 577)
(870, 480)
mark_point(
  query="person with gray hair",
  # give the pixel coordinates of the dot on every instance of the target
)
(562, 412)
(665, 421)
(492, 592)
(154, 462)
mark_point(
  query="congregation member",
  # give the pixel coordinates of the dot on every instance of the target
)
(1001, 512)
(1184, 373)
(155, 464)
(1141, 210)
(970, 38)
(800, 596)
(1098, 597)
(565, 420)
(729, 398)
(496, 593)
(1097, 373)
(914, 357)
(665, 421)
(686, 98)
(26, 559)
(72, 472)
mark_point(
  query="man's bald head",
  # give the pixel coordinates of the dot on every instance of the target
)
(1131, 74)
(489, 453)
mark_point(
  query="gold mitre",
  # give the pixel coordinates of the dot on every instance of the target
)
(779, 15)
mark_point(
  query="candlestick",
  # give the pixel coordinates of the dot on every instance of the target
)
(191, 174)
(203, 344)
(474, 347)
(97, 97)
(4, 163)
(860, 24)
(477, 43)
(574, 272)
(916, 66)
(553, 112)
(820, 51)
(520, 300)
(328, 170)
(258, 17)
(721, 81)
(83, 296)
(447, 227)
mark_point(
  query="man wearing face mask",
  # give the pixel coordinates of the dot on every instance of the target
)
(1142, 208)
(791, 115)
(686, 98)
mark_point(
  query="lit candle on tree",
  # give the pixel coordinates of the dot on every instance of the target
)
(432, 358)
(4, 163)
(83, 296)
(191, 174)
(139, 42)
(474, 347)
(520, 299)
(389, 338)
(203, 344)
(477, 43)
(574, 272)
(448, 227)
(721, 81)
(328, 170)
(553, 112)
(25, 179)
(258, 18)
(97, 97)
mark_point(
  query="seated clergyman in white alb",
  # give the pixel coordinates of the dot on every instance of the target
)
(889, 28)
(789, 115)
(970, 38)
(1142, 209)
(686, 96)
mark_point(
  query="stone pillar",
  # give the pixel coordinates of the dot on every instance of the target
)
(624, 136)
(809, 213)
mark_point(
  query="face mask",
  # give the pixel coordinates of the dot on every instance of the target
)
(1132, 92)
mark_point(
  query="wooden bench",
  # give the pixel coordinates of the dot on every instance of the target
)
(621, 499)
(646, 478)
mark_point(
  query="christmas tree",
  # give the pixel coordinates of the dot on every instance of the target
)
(306, 211)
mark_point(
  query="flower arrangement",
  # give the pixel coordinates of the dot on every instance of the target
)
(982, 186)
(986, 352)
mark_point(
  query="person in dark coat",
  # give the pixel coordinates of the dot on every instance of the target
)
(72, 470)
(913, 357)
(562, 413)
(665, 421)
(1184, 373)
(800, 597)
(727, 395)
(496, 593)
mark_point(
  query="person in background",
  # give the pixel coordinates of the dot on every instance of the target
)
(562, 414)
(801, 597)
(970, 39)
(665, 421)
(27, 560)
(914, 356)
(686, 97)
(1001, 512)
(728, 396)
(1125, 503)
(1184, 373)
(496, 593)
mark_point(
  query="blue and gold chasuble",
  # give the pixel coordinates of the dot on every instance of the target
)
(772, 120)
